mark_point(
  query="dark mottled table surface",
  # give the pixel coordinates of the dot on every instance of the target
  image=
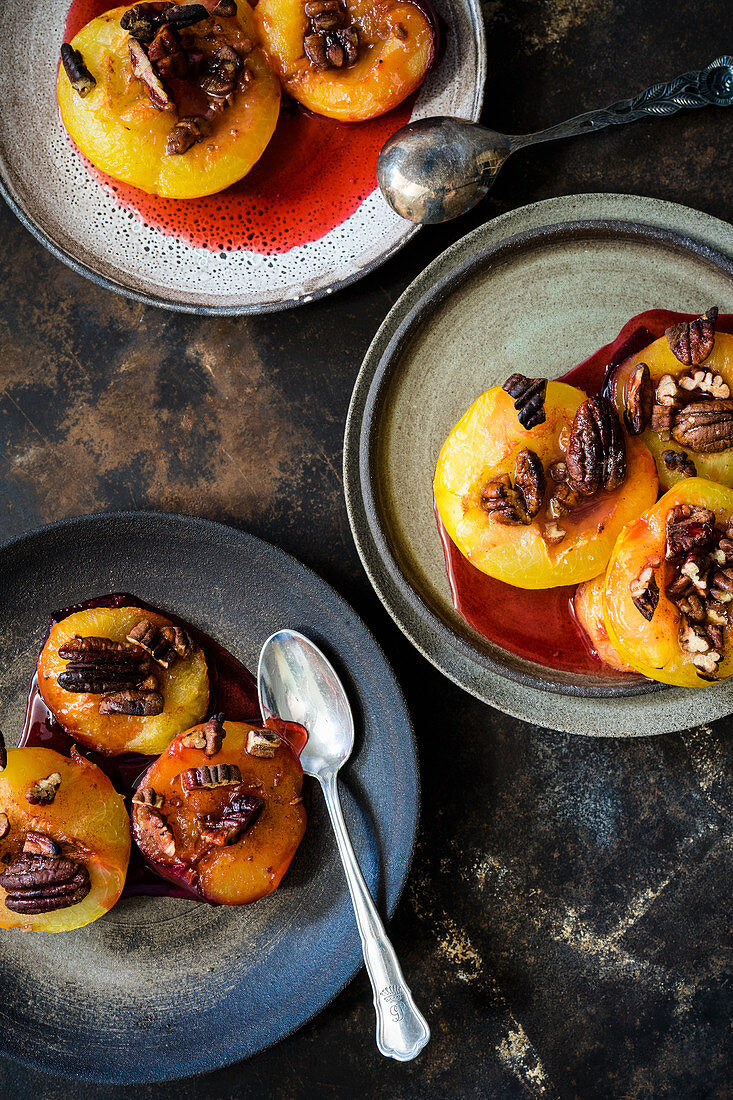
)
(565, 921)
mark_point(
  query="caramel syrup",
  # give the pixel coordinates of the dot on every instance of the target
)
(541, 626)
(314, 174)
(232, 691)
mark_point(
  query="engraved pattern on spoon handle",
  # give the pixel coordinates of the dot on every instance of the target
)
(402, 1031)
(712, 86)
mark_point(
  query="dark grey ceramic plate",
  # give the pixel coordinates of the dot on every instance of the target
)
(536, 290)
(162, 988)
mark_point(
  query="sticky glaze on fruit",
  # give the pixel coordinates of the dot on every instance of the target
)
(349, 60)
(540, 506)
(162, 692)
(675, 394)
(222, 814)
(64, 841)
(669, 587)
(181, 116)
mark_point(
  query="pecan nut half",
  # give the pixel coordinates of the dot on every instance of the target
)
(42, 884)
(142, 68)
(262, 743)
(596, 454)
(530, 481)
(141, 21)
(645, 593)
(167, 54)
(209, 737)
(692, 341)
(163, 643)
(38, 844)
(705, 427)
(44, 791)
(80, 78)
(219, 79)
(688, 529)
(210, 775)
(147, 796)
(236, 818)
(680, 463)
(528, 395)
(184, 15)
(187, 132)
(639, 400)
(133, 701)
(154, 826)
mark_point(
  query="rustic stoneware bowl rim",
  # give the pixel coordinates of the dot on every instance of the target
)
(397, 859)
(433, 637)
(275, 305)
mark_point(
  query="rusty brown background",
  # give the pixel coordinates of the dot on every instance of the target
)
(566, 918)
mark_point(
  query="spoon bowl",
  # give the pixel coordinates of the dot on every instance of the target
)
(298, 684)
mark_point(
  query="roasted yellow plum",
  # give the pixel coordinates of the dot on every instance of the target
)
(669, 587)
(676, 395)
(221, 811)
(348, 59)
(175, 99)
(536, 480)
(122, 679)
(64, 841)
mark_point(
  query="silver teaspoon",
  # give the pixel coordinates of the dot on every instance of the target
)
(435, 169)
(298, 684)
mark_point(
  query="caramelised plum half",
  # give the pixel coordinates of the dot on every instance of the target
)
(536, 480)
(348, 59)
(122, 679)
(176, 99)
(668, 590)
(676, 395)
(64, 841)
(221, 811)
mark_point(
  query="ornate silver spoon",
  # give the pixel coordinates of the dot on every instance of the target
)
(435, 169)
(297, 683)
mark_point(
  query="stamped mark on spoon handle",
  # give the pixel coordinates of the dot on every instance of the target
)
(402, 1031)
(712, 86)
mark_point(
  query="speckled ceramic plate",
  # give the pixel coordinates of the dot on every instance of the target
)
(548, 283)
(162, 988)
(47, 185)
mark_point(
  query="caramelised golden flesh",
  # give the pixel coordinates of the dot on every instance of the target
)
(178, 100)
(536, 480)
(122, 679)
(221, 811)
(64, 841)
(677, 395)
(668, 591)
(348, 59)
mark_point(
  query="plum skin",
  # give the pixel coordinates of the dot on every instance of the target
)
(87, 816)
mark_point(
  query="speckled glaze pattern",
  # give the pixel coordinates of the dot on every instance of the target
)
(546, 284)
(162, 988)
(48, 186)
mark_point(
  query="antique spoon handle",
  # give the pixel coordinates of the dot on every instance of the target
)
(401, 1029)
(712, 86)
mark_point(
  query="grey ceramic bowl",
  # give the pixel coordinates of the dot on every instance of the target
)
(562, 276)
(45, 182)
